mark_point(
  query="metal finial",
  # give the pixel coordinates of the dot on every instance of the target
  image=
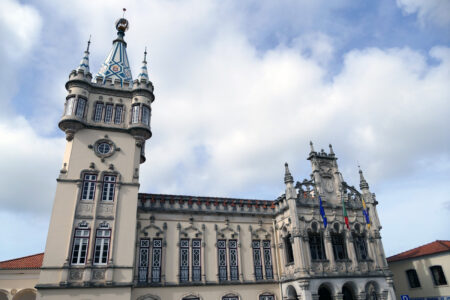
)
(88, 44)
(145, 54)
(124, 10)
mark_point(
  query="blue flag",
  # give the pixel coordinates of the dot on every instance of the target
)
(322, 212)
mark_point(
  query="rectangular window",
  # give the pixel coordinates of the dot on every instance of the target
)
(88, 190)
(146, 115)
(184, 260)
(267, 297)
(108, 113)
(288, 250)
(196, 260)
(118, 114)
(222, 259)
(156, 260)
(337, 239)
(80, 246)
(232, 248)
(256, 245)
(101, 249)
(360, 247)
(98, 112)
(80, 107)
(438, 275)
(316, 246)
(109, 183)
(135, 114)
(69, 106)
(412, 278)
(143, 259)
(267, 259)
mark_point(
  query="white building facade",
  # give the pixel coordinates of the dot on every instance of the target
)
(108, 241)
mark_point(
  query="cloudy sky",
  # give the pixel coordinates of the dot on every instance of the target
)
(241, 87)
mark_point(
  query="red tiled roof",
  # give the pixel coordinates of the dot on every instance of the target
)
(27, 262)
(427, 249)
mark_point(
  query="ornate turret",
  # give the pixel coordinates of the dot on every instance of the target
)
(116, 65)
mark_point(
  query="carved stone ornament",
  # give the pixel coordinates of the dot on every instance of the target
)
(98, 274)
(104, 148)
(76, 274)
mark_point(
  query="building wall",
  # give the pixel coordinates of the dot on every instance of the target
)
(18, 284)
(422, 266)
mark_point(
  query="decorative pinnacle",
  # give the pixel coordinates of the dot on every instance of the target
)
(145, 55)
(88, 44)
(331, 150)
(287, 174)
(312, 146)
(362, 181)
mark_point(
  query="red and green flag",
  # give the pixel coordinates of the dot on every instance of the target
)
(344, 212)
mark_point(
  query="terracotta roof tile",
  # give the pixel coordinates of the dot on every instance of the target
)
(427, 249)
(27, 262)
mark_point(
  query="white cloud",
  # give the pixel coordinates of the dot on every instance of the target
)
(428, 11)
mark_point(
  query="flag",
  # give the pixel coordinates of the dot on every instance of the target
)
(322, 213)
(365, 212)
(344, 212)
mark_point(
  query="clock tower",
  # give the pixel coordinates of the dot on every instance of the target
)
(106, 121)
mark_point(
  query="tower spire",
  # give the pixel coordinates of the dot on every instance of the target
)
(143, 75)
(84, 63)
(116, 65)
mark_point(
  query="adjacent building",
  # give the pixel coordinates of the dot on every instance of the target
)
(423, 273)
(320, 239)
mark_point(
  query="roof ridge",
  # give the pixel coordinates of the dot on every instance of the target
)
(5, 261)
(210, 197)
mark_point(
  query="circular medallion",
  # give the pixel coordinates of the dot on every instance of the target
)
(104, 148)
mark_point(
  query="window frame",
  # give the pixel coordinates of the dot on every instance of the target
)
(81, 238)
(234, 269)
(71, 100)
(82, 109)
(317, 250)
(223, 269)
(118, 118)
(337, 241)
(143, 269)
(135, 114)
(439, 270)
(83, 186)
(111, 188)
(98, 107)
(288, 250)
(268, 264)
(108, 118)
(257, 259)
(196, 269)
(413, 272)
(145, 119)
(102, 251)
(156, 269)
(358, 241)
(184, 270)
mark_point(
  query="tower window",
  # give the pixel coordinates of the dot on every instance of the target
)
(88, 191)
(316, 246)
(438, 275)
(69, 106)
(118, 114)
(412, 278)
(337, 240)
(288, 249)
(267, 254)
(108, 113)
(80, 107)
(98, 112)
(135, 114)
(146, 115)
(109, 183)
(80, 246)
(102, 242)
